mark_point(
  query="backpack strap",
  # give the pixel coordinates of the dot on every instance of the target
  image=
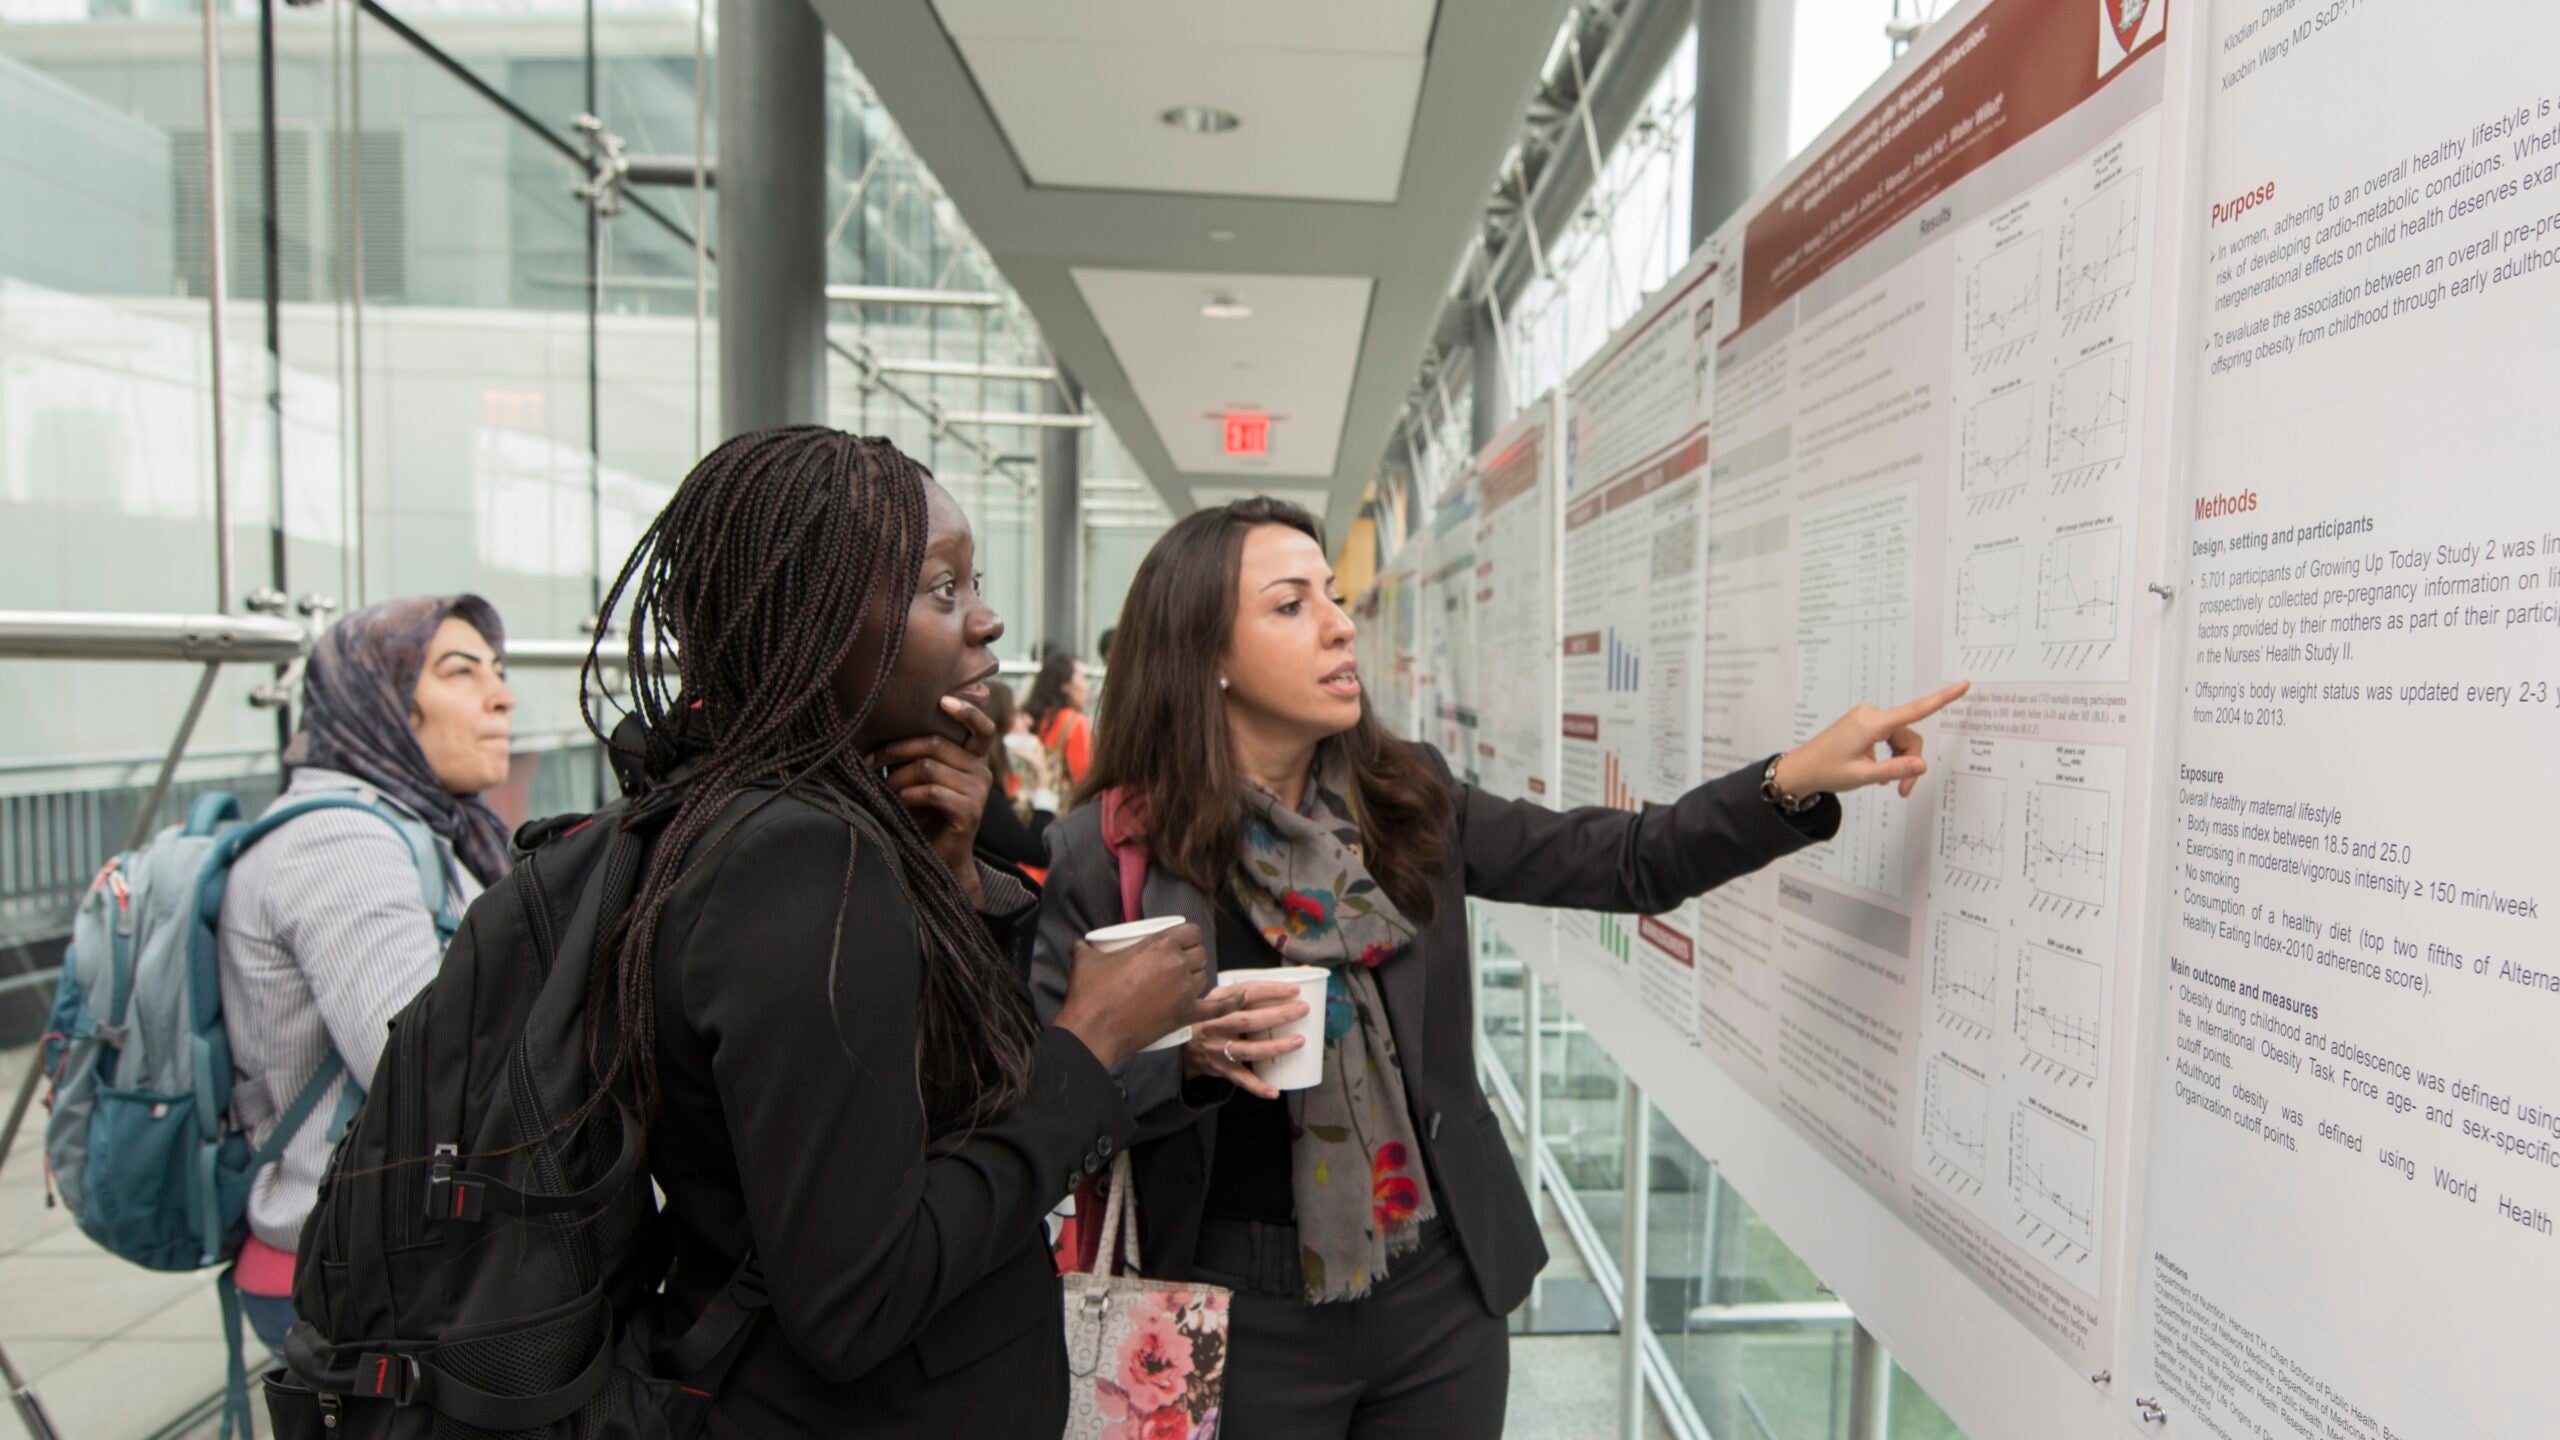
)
(405, 1375)
(298, 1114)
(702, 1355)
(432, 890)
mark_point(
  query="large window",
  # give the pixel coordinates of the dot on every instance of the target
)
(443, 367)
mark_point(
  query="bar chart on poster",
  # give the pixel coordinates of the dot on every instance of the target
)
(2174, 1060)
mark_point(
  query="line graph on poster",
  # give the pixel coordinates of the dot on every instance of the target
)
(2079, 596)
(1963, 970)
(2101, 252)
(1973, 829)
(2056, 1010)
(1955, 1124)
(2090, 420)
(2053, 1177)
(2070, 837)
(1998, 450)
(2004, 301)
(1991, 605)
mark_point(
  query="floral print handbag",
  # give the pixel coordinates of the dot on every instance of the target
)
(1146, 1359)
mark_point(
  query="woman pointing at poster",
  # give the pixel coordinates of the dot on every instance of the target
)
(1371, 1221)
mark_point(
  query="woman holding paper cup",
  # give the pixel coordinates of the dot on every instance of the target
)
(817, 1004)
(1324, 1149)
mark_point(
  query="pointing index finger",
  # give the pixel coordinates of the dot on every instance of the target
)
(1925, 706)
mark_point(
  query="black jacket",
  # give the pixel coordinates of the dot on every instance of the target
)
(1512, 850)
(912, 1288)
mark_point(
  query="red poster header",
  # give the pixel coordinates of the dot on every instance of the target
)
(2017, 67)
(1514, 472)
(1667, 940)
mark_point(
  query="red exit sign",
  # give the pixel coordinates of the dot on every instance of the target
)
(1248, 433)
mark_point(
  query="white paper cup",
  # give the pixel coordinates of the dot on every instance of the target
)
(1301, 1068)
(1121, 937)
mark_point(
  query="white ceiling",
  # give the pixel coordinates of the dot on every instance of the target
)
(1370, 133)
(1293, 359)
(1325, 92)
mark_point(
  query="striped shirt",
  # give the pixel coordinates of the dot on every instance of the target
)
(324, 936)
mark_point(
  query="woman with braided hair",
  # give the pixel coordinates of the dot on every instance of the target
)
(818, 1000)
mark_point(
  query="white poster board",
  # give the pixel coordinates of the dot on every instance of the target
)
(1520, 482)
(2355, 1143)
(1634, 538)
(1447, 688)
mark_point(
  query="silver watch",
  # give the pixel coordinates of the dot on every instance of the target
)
(1787, 804)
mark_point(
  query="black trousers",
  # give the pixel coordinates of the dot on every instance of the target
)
(1419, 1357)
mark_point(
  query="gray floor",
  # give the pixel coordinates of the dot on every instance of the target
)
(118, 1353)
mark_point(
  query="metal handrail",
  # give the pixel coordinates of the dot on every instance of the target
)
(201, 639)
(100, 635)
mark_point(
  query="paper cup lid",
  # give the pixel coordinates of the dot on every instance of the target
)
(1133, 930)
(1274, 975)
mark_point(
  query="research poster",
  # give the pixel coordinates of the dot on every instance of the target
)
(1446, 689)
(1390, 681)
(2355, 1147)
(1938, 456)
(1633, 603)
(1516, 736)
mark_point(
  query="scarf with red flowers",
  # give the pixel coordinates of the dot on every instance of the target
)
(1355, 1165)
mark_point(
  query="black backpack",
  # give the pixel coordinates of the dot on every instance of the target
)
(478, 1265)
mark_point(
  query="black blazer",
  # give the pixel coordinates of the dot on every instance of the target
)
(912, 1288)
(1593, 859)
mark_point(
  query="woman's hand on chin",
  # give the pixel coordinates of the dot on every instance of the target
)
(1843, 756)
(944, 783)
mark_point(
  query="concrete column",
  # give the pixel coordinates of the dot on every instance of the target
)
(773, 216)
(1494, 400)
(1062, 521)
(1745, 70)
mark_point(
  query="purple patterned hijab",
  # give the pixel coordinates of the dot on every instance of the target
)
(356, 694)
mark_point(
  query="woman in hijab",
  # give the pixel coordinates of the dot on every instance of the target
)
(339, 917)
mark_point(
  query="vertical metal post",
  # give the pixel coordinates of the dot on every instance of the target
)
(1636, 1171)
(1492, 382)
(595, 363)
(701, 206)
(1870, 1386)
(1739, 129)
(271, 270)
(773, 215)
(1061, 508)
(218, 288)
(356, 276)
(1533, 1089)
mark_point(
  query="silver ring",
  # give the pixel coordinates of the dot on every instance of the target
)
(1229, 1050)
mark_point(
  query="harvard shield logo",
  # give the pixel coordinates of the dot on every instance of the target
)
(2126, 16)
(2125, 26)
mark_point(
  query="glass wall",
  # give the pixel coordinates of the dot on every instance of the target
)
(445, 367)
(1743, 1339)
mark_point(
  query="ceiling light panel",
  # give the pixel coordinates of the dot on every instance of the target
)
(1324, 93)
(1301, 347)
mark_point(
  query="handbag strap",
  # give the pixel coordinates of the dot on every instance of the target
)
(1119, 1247)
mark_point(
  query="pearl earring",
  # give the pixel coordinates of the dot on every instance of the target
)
(1222, 682)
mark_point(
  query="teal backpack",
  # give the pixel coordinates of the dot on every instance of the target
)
(139, 1143)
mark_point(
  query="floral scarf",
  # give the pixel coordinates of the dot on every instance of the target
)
(1303, 883)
